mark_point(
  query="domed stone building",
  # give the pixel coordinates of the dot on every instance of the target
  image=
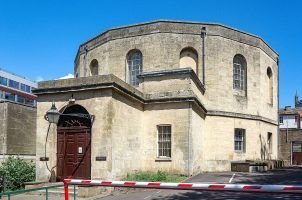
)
(182, 97)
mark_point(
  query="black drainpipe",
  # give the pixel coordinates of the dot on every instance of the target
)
(203, 36)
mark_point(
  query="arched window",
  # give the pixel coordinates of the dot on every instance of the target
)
(94, 67)
(135, 66)
(270, 86)
(189, 58)
(239, 72)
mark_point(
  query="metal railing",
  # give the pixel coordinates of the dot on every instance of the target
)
(46, 188)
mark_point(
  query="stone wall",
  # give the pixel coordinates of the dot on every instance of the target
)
(161, 43)
(285, 144)
(18, 129)
(125, 127)
(3, 124)
(219, 142)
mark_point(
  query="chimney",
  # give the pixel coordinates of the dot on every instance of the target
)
(287, 108)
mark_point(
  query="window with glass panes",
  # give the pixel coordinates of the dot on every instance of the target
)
(3, 81)
(164, 140)
(239, 72)
(13, 84)
(9, 96)
(20, 99)
(281, 119)
(135, 65)
(239, 140)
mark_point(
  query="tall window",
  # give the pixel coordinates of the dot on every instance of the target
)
(239, 72)
(269, 141)
(164, 141)
(94, 67)
(188, 58)
(269, 74)
(239, 140)
(135, 66)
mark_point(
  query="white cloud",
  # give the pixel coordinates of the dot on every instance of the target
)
(39, 78)
(67, 76)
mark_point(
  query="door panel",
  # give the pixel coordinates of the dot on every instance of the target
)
(74, 152)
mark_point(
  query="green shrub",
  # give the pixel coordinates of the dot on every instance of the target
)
(16, 172)
(159, 176)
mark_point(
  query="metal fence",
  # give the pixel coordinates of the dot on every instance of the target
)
(10, 194)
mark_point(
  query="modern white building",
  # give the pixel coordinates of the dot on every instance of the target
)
(16, 88)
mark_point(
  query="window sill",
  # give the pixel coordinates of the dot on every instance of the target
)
(239, 152)
(163, 160)
(239, 93)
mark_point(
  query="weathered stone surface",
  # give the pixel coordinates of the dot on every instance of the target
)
(18, 129)
(202, 116)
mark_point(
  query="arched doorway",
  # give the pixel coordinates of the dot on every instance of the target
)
(74, 144)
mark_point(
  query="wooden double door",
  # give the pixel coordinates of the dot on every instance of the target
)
(74, 152)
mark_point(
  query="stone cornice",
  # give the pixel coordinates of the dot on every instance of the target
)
(241, 116)
(189, 71)
(177, 27)
(112, 82)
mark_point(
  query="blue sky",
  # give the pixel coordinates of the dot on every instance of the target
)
(39, 39)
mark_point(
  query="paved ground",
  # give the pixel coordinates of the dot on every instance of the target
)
(291, 176)
(284, 176)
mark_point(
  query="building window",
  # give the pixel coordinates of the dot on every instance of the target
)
(13, 84)
(3, 81)
(10, 96)
(20, 99)
(281, 119)
(189, 58)
(239, 140)
(1, 94)
(270, 85)
(135, 66)
(30, 102)
(269, 141)
(94, 67)
(164, 141)
(239, 72)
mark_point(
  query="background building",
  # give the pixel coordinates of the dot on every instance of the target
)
(17, 116)
(183, 97)
(16, 88)
(290, 137)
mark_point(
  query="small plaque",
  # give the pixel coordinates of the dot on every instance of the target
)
(101, 158)
(44, 158)
(80, 150)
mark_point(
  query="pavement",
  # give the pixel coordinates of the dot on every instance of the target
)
(288, 176)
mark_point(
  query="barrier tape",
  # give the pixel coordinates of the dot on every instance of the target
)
(295, 189)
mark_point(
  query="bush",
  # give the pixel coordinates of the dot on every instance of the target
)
(17, 171)
(159, 176)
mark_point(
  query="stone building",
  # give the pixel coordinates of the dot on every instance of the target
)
(183, 97)
(290, 134)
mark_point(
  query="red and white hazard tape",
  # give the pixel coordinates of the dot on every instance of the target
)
(297, 189)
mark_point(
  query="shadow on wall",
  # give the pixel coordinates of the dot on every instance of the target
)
(264, 150)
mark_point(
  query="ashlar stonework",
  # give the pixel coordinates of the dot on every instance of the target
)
(138, 78)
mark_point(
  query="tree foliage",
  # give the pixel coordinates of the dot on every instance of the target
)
(16, 172)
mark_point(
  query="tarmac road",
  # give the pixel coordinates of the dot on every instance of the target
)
(290, 176)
